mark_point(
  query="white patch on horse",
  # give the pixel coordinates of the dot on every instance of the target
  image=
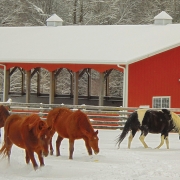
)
(141, 113)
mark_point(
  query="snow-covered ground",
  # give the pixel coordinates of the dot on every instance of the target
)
(110, 163)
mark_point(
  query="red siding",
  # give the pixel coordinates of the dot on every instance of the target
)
(155, 76)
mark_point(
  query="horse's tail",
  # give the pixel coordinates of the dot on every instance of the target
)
(126, 129)
(3, 150)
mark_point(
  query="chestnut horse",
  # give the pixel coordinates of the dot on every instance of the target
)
(4, 113)
(27, 132)
(72, 125)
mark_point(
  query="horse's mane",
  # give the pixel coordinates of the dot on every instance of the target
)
(176, 120)
(53, 115)
(33, 118)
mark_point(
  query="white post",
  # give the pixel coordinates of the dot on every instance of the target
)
(124, 84)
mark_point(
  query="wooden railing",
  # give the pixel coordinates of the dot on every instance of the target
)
(101, 117)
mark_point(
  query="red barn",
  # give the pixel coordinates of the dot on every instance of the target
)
(147, 54)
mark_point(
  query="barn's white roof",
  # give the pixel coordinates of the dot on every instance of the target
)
(100, 44)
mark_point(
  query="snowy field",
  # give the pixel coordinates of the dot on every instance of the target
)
(110, 164)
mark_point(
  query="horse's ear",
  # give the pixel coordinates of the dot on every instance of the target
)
(96, 132)
(41, 125)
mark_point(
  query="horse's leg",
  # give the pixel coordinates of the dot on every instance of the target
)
(51, 147)
(31, 156)
(161, 143)
(132, 134)
(130, 139)
(27, 157)
(142, 137)
(71, 148)
(58, 143)
(88, 147)
(41, 159)
(167, 142)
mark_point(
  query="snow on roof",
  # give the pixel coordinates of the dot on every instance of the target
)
(100, 44)
(54, 17)
(163, 15)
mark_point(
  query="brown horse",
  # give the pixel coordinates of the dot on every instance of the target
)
(4, 113)
(27, 132)
(72, 125)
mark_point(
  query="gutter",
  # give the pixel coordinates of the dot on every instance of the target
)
(125, 84)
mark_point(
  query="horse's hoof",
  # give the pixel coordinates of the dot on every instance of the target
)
(35, 168)
(42, 165)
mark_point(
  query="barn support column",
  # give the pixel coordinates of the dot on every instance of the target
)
(76, 79)
(38, 80)
(89, 83)
(52, 87)
(6, 85)
(23, 81)
(28, 86)
(101, 89)
(107, 86)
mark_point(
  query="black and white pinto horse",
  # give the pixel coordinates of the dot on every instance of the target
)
(150, 121)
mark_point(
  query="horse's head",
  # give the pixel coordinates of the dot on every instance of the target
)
(44, 136)
(93, 140)
(43, 132)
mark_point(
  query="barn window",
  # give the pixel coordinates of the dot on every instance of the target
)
(161, 102)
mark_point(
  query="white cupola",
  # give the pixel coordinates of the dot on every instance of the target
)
(54, 20)
(162, 19)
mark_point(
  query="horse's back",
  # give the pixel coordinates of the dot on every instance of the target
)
(77, 123)
(157, 121)
(69, 124)
(55, 114)
(13, 129)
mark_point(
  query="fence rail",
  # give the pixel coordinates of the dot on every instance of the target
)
(101, 117)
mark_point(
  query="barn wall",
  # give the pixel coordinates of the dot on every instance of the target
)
(158, 75)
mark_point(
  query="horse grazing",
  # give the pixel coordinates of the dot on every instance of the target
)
(73, 125)
(27, 132)
(4, 113)
(153, 121)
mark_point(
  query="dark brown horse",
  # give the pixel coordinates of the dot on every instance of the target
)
(27, 132)
(4, 113)
(73, 125)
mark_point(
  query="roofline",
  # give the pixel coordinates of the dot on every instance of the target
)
(153, 53)
(41, 61)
